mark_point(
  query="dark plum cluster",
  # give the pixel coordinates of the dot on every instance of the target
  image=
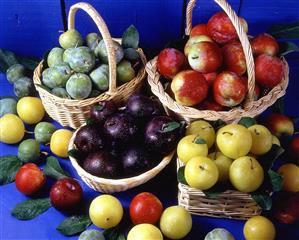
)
(124, 142)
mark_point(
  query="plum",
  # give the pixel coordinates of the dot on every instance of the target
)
(92, 40)
(60, 92)
(43, 132)
(135, 161)
(162, 134)
(125, 71)
(120, 127)
(100, 77)
(23, 87)
(55, 57)
(102, 110)
(102, 164)
(79, 86)
(91, 234)
(101, 51)
(140, 106)
(8, 105)
(66, 194)
(89, 139)
(56, 76)
(29, 150)
(15, 72)
(70, 39)
(80, 59)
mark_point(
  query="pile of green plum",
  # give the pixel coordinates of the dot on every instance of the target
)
(79, 69)
(127, 141)
(17, 75)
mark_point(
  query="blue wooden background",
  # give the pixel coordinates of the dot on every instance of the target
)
(31, 27)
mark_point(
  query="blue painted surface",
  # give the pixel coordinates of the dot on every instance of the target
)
(31, 27)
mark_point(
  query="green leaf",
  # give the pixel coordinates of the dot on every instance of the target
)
(75, 153)
(287, 47)
(168, 127)
(131, 54)
(31, 208)
(28, 62)
(130, 38)
(270, 157)
(54, 170)
(89, 121)
(73, 225)
(181, 175)
(9, 165)
(218, 124)
(276, 180)
(214, 191)
(113, 234)
(262, 199)
(199, 140)
(285, 30)
(247, 121)
(7, 59)
(99, 107)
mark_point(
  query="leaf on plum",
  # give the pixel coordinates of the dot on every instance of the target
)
(276, 180)
(73, 225)
(247, 121)
(31, 208)
(262, 199)
(289, 31)
(54, 170)
(131, 54)
(9, 165)
(181, 175)
(130, 38)
(287, 47)
(169, 127)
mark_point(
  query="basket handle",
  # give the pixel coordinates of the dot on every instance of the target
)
(95, 16)
(243, 39)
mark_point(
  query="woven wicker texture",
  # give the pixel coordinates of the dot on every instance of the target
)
(229, 204)
(116, 185)
(72, 113)
(250, 108)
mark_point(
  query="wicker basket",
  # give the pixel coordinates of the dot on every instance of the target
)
(250, 107)
(116, 185)
(229, 204)
(73, 113)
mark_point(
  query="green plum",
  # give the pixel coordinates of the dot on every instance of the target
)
(15, 72)
(79, 86)
(92, 40)
(29, 150)
(57, 76)
(8, 105)
(94, 93)
(80, 59)
(219, 234)
(70, 39)
(43, 132)
(101, 51)
(100, 77)
(55, 57)
(23, 87)
(125, 71)
(91, 234)
(60, 92)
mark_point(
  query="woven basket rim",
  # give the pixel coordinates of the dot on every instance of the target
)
(114, 182)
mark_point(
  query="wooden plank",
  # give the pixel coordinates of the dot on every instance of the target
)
(157, 21)
(30, 27)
